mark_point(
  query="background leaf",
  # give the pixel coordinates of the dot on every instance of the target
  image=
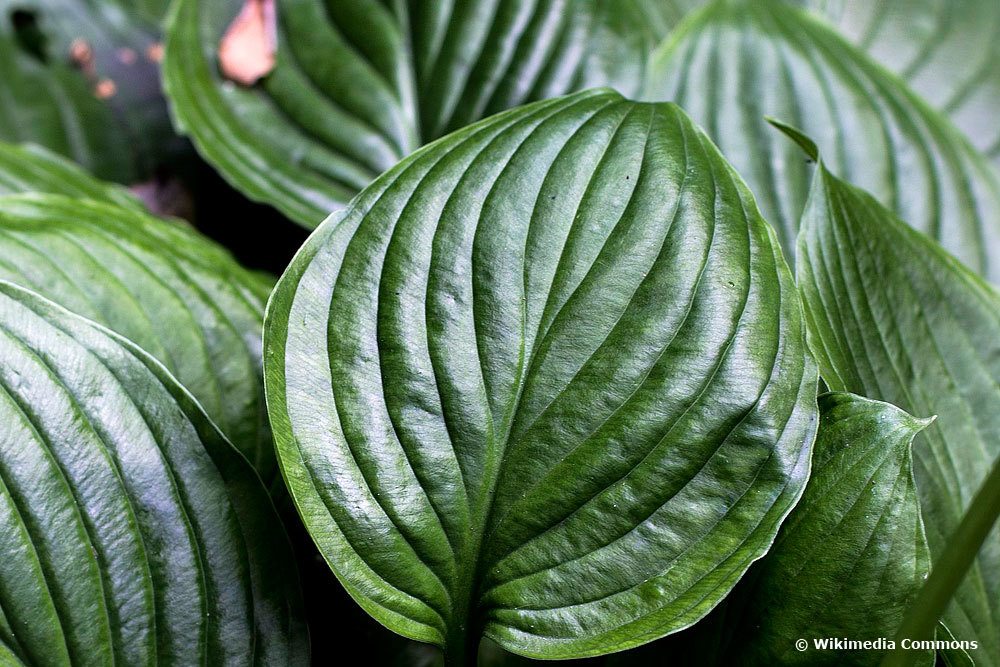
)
(31, 168)
(894, 317)
(665, 15)
(131, 531)
(852, 554)
(359, 85)
(736, 61)
(51, 104)
(163, 286)
(81, 77)
(547, 376)
(947, 50)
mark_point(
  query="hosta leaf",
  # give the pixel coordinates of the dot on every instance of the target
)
(737, 61)
(957, 658)
(851, 555)
(104, 22)
(665, 15)
(358, 85)
(50, 104)
(947, 50)
(31, 168)
(131, 531)
(163, 286)
(81, 78)
(546, 378)
(894, 317)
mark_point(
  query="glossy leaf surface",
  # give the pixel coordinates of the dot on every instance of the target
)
(852, 554)
(31, 168)
(894, 317)
(359, 85)
(168, 289)
(545, 379)
(735, 62)
(131, 531)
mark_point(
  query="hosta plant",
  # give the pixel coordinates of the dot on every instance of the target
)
(545, 380)
(132, 531)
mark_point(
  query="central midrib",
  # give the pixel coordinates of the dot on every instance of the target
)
(466, 624)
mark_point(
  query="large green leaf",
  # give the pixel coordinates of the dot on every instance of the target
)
(947, 50)
(737, 61)
(163, 286)
(358, 85)
(892, 316)
(131, 532)
(852, 554)
(31, 168)
(80, 77)
(846, 564)
(545, 379)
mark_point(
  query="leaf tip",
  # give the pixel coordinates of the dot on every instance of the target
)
(798, 136)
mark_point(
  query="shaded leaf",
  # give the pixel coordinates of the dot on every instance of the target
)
(163, 286)
(545, 379)
(852, 554)
(736, 61)
(31, 168)
(892, 316)
(388, 78)
(50, 104)
(84, 82)
(131, 531)
(957, 658)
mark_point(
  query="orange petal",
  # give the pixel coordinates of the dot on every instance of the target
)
(246, 52)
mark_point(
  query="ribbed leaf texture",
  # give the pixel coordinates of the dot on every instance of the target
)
(358, 85)
(163, 286)
(31, 168)
(894, 317)
(131, 531)
(664, 15)
(852, 554)
(946, 49)
(546, 379)
(736, 61)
